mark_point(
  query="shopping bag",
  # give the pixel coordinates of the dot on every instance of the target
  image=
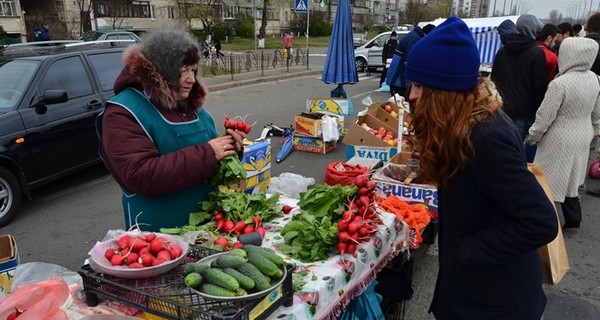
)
(555, 261)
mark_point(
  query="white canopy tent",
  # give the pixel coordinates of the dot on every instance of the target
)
(484, 32)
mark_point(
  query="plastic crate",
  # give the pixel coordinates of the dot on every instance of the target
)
(167, 296)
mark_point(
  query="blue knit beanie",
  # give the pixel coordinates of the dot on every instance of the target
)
(446, 59)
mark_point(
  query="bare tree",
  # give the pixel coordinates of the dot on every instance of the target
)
(365, 21)
(416, 11)
(262, 32)
(206, 11)
(113, 10)
(84, 6)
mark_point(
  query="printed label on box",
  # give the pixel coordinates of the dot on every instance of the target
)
(312, 144)
(411, 193)
(380, 153)
(257, 157)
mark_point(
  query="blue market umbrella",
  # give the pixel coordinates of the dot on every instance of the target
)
(340, 65)
(286, 145)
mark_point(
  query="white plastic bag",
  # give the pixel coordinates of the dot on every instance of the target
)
(329, 126)
(290, 184)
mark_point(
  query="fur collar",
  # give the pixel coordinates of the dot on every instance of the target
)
(161, 92)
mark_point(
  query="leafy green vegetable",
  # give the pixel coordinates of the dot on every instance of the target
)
(237, 205)
(230, 171)
(322, 200)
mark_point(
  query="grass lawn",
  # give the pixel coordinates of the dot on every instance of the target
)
(243, 44)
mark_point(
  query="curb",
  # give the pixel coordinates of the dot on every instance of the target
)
(261, 79)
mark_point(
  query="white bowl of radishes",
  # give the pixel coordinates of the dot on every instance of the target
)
(135, 255)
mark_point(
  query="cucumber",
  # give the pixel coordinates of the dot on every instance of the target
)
(193, 280)
(265, 265)
(194, 267)
(244, 281)
(262, 282)
(267, 253)
(239, 253)
(215, 290)
(227, 261)
(221, 279)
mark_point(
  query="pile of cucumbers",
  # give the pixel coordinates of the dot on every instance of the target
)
(236, 273)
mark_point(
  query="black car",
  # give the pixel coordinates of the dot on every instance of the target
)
(49, 100)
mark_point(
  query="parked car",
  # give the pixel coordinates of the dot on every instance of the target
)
(49, 100)
(95, 35)
(359, 39)
(368, 56)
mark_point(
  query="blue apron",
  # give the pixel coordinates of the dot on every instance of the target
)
(153, 213)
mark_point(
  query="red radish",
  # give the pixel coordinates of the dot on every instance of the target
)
(175, 251)
(239, 227)
(353, 227)
(117, 260)
(363, 201)
(131, 258)
(363, 191)
(228, 225)
(221, 241)
(135, 265)
(351, 248)
(363, 231)
(238, 245)
(261, 231)
(257, 221)
(137, 244)
(229, 123)
(352, 206)
(361, 180)
(344, 236)
(158, 262)
(109, 253)
(248, 128)
(145, 250)
(347, 215)
(249, 229)
(146, 260)
(219, 216)
(241, 126)
(150, 237)
(341, 247)
(286, 209)
(342, 225)
(123, 242)
(158, 244)
(164, 255)
(366, 239)
(371, 185)
(220, 224)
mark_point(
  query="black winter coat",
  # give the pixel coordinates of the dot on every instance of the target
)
(519, 72)
(493, 217)
(596, 66)
(388, 49)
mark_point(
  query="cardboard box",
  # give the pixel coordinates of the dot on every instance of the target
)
(9, 260)
(310, 124)
(357, 135)
(381, 153)
(312, 144)
(330, 106)
(253, 185)
(257, 162)
(390, 180)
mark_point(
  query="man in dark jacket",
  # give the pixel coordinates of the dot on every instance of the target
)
(505, 29)
(592, 29)
(520, 73)
(397, 79)
(388, 53)
(41, 33)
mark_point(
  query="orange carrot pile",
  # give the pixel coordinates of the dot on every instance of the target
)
(416, 216)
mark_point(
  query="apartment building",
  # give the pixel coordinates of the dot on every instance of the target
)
(68, 19)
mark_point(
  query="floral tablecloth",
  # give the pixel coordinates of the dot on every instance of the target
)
(324, 288)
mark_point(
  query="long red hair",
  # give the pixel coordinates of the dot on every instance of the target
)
(442, 123)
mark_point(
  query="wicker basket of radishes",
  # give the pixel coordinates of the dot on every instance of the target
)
(136, 254)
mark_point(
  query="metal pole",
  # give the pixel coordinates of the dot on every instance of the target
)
(396, 14)
(307, 22)
(254, 19)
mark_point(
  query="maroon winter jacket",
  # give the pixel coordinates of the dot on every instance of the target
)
(131, 156)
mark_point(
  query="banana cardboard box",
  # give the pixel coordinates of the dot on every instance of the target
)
(257, 162)
(391, 180)
(312, 144)
(330, 106)
(9, 260)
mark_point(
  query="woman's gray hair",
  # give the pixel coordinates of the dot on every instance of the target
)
(169, 48)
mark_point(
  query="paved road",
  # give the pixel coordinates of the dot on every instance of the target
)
(66, 218)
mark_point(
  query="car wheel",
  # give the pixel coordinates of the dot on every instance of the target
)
(10, 196)
(361, 64)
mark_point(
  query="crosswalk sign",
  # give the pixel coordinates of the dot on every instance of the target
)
(301, 6)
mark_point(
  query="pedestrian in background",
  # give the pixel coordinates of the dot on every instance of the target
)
(592, 28)
(565, 30)
(505, 29)
(566, 123)
(217, 43)
(42, 33)
(493, 214)
(388, 53)
(521, 75)
(397, 79)
(287, 44)
(545, 40)
(157, 139)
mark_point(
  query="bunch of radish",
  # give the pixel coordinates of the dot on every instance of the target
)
(360, 220)
(139, 251)
(240, 124)
(231, 227)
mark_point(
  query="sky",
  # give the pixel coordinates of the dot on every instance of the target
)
(541, 8)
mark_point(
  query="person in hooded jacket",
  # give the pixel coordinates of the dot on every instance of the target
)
(157, 138)
(505, 29)
(388, 53)
(566, 123)
(592, 29)
(493, 214)
(520, 74)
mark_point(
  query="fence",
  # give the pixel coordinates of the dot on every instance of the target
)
(237, 63)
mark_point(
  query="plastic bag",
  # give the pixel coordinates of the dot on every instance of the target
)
(342, 173)
(290, 184)
(34, 272)
(365, 306)
(330, 129)
(40, 300)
